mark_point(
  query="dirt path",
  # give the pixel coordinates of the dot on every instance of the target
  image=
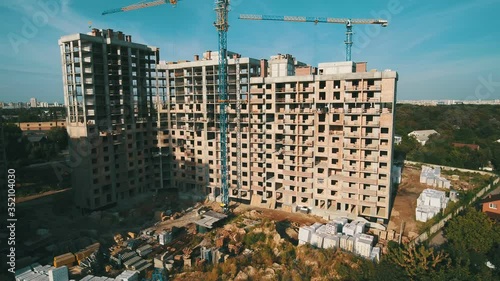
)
(36, 196)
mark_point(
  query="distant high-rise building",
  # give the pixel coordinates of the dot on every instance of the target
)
(33, 102)
(108, 93)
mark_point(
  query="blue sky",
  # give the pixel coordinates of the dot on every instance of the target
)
(441, 49)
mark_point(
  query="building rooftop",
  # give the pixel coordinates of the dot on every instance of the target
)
(423, 135)
(491, 198)
(471, 146)
(210, 218)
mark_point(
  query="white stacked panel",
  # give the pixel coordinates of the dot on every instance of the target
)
(343, 242)
(375, 254)
(305, 234)
(128, 275)
(350, 244)
(59, 274)
(360, 227)
(317, 239)
(363, 245)
(331, 241)
(349, 229)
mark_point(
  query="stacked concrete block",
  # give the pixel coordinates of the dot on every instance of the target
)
(430, 203)
(360, 227)
(363, 245)
(331, 241)
(128, 275)
(165, 237)
(144, 250)
(343, 242)
(316, 225)
(350, 237)
(317, 239)
(375, 254)
(305, 234)
(59, 274)
(349, 229)
(333, 227)
(432, 176)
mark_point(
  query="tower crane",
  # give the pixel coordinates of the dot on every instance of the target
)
(348, 23)
(222, 26)
(140, 5)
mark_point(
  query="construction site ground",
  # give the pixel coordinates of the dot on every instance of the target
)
(409, 190)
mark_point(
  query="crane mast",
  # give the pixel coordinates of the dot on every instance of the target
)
(221, 23)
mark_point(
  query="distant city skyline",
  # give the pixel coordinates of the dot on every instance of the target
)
(436, 52)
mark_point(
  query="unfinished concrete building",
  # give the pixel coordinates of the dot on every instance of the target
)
(317, 138)
(108, 94)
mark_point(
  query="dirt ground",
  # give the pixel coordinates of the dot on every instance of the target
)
(406, 202)
(409, 190)
(275, 215)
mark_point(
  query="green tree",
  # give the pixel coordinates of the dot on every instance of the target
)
(473, 231)
(58, 136)
(15, 143)
(418, 260)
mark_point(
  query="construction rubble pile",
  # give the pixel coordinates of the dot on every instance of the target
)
(339, 233)
(430, 203)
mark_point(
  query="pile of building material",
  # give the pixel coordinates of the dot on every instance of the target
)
(397, 174)
(85, 253)
(364, 245)
(136, 263)
(430, 203)
(144, 250)
(340, 234)
(96, 278)
(165, 237)
(36, 272)
(128, 275)
(212, 255)
(67, 259)
(432, 176)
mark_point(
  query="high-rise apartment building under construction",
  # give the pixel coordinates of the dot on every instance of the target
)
(299, 136)
(108, 94)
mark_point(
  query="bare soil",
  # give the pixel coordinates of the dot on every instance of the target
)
(406, 202)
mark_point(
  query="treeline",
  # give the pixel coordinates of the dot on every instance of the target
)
(21, 152)
(38, 114)
(469, 124)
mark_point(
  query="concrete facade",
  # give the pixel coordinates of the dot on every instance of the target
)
(318, 141)
(108, 96)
